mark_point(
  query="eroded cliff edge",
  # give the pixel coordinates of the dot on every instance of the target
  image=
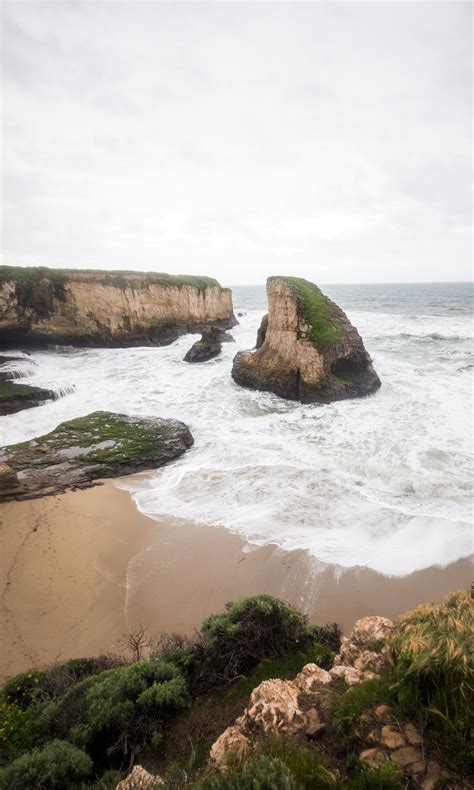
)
(307, 349)
(40, 306)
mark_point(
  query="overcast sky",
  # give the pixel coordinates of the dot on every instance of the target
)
(327, 140)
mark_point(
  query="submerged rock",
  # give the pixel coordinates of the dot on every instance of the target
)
(306, 349)
(16, 397)
(103, 444)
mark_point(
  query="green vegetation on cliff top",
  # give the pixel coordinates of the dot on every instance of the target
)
(69, 725)
(325, 328)
(119, 278)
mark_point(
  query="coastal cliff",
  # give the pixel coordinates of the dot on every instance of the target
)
(306, 349)
(40, 306)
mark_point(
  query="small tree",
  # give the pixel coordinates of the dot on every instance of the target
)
(137, 642)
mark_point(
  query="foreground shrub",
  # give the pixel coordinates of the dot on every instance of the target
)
(433, 655)
(18, 730)
(276, 763)
(305, 765)
(119, 708)
(386, 777)
(23, 688)
(235, 642)
(59, 765)
(258, 773)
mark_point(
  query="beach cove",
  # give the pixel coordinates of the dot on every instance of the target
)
(81, 569)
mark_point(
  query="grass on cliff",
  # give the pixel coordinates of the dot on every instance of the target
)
(325, 329)
(119, 279)
(433, 655)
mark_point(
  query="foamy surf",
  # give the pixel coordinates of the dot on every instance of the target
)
(382, 482)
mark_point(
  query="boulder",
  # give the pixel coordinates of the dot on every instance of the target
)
(311, 678)
(406, 755)
(140, 779)
(306, 349)
(273, 707)
(209, 346)
(231, 741)
(391, 738)
(372, 757)
(102, 444)
(365, 647)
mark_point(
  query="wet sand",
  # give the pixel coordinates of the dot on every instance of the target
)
(80, 569)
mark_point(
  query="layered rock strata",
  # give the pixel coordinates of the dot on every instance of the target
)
(39, 307)
(306, 349)
(80, 451)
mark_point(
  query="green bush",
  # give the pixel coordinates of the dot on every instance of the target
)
(19, 730)
(433, 656)
(59, 765)
(120, 707)
(235, 642)
(22, 689)
(258, 773)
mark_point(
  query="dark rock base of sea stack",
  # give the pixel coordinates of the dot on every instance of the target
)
(307, 349)
(209, 346)
(80, 451)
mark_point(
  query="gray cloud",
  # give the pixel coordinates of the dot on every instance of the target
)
(329, 140)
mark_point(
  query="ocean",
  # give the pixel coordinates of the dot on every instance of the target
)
(383, 482)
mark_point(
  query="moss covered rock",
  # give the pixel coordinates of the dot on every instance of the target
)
(16, 397)
(102, 444)
(307, 349)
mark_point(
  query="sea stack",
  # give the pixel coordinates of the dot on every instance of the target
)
(40, 306)
(307, 349)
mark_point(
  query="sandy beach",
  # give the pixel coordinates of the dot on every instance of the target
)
(80, 569)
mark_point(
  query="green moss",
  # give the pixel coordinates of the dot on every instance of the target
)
(325, 328)
(9, 391)
(127, 440)
(119, 278)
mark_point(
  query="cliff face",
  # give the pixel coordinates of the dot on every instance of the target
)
(99, 308)
(307, 349)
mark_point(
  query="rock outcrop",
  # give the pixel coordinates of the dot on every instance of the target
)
(302, 710)
(140, 779)
(16, 397)
(209, 346)
(43, 306)
(83, 450)
(306, 349)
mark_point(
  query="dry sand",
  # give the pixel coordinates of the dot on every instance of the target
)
(80, 569)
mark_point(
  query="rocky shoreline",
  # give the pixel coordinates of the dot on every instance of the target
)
(81, 451)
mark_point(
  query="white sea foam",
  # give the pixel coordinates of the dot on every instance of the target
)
(382, 482)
